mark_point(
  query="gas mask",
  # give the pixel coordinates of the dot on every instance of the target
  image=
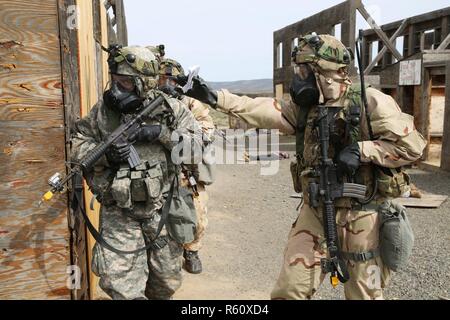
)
(304, 90)
(123, 98)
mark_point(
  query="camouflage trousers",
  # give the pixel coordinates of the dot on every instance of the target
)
(155, 274)
(301, 274)
(201, 203)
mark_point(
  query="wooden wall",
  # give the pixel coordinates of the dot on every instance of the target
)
(34, 242)
(51, 74)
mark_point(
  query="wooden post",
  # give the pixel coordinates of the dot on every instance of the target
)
(122, 31)
(72, 104)
(425, 103)
(411, 40)
(445, 156)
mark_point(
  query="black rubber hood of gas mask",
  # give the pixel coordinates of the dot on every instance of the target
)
(304, 91)
(121, 100)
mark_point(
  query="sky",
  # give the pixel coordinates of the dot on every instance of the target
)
(233, 39)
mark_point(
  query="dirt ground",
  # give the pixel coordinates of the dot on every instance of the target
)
(249, 219)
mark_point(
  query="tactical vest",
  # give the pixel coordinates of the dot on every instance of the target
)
(351, 127)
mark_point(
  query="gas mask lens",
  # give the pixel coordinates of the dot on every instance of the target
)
(304, 90)
(126, 83)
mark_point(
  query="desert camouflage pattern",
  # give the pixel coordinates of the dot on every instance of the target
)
(301, 274)
(201, 208)
(124, 276)
(398, 144)
(206, 171)
(328, 53)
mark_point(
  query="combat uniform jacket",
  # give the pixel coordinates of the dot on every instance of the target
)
(206, 170)
(144, 190)
(397, 143)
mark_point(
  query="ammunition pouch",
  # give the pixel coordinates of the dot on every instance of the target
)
(142, 184)
(297, 167)
(392, 183)
(396, 235)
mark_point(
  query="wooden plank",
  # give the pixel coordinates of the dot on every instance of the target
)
(384, 49)
(122, 31)
(426, 109)
(444, 43)
(379, 32)
(445, 156)
(427, 201)
(34, 241)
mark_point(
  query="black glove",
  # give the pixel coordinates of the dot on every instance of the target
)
(172, 91)
(348, 160)
(119, 152)
(147, 133)
(200, 90)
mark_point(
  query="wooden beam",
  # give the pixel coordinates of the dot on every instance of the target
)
(445, 156)
(383, 51)
(122, 31)
(444, 43)
(425, 109)
(379, 32)
(72, 102)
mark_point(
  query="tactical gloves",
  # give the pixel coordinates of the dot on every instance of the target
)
(147, 133)
(348, 160)
(200, 90)
(119, 152)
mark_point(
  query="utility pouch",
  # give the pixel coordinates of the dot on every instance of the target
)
(121, 189)
(297, 168)
(182, 219)
(393, 183)
(154, 181)
(396, 235)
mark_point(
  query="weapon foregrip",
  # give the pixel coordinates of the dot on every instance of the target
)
(89, 161)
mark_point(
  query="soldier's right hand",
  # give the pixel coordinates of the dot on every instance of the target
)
(119, 152)
(200, 90)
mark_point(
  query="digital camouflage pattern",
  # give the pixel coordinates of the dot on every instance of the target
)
(139, 62)
(206, 171)
(170, 67)
(124, 276)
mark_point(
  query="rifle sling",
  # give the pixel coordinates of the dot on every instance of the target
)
(156, 244)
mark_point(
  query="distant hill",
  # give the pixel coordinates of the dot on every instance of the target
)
(245, 86)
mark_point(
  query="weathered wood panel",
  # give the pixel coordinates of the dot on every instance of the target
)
(34, 251)
(445, 157)
(71, 87)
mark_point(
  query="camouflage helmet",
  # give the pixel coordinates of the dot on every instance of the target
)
(138, 62)
(324, 50)
(170, 68)
(158, 51)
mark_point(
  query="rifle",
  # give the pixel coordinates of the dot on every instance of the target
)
(121, 134)
(327, 191)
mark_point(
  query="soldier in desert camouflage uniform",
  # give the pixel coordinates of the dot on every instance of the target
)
(321, 76)
(131, 199)
(203, 172)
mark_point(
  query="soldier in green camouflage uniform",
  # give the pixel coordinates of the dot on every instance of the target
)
(202, 172)
(131, 199)
(321, 76)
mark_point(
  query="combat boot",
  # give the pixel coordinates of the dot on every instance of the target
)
(192, 263)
